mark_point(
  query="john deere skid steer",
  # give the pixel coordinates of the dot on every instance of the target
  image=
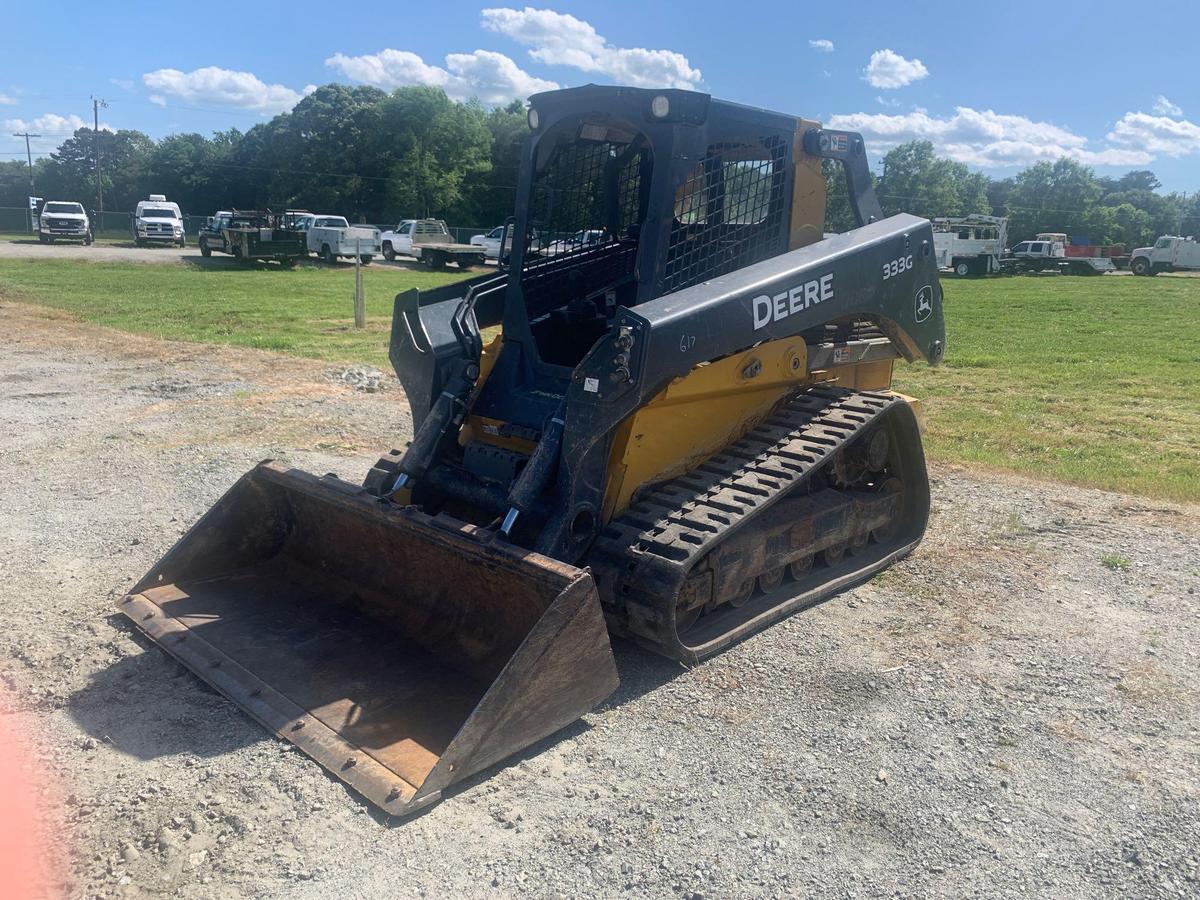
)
(667, 416)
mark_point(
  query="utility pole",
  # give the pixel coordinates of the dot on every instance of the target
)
(29, 159)
(96, 104)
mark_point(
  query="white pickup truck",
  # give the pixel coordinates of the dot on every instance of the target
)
(430, 242)
(63, 221)
(157, 220)
(1169, 254)
(1048, 253)
(331, 237)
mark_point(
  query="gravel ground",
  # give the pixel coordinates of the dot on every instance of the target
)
(1002, 714)
(31, 248)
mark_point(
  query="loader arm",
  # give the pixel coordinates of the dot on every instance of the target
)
(846, 276)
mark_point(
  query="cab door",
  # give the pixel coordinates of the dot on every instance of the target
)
(403, 241)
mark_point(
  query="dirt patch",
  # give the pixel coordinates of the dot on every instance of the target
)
(1000, 713)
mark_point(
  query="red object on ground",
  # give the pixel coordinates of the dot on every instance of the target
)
(24, 858)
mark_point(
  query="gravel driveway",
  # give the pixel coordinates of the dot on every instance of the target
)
(1002, 714)
(31, 248)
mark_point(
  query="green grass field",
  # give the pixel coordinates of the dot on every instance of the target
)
(1094, 381)
(307, 311)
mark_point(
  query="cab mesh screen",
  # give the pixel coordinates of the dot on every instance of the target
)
(585, 210)
(729, 213)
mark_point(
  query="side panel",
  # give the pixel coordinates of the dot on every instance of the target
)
(699, 414)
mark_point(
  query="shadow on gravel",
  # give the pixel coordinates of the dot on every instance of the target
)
(148, 705)
(640, 672)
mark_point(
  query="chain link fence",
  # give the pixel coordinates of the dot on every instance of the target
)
(15, 220)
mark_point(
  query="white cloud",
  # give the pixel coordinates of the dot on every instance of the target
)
(492, 77)
(6, 100)
(887, 101)
(986, 139)
(889, 70)
(825, 46)
(52, 124)
(221, 87)
(124, 84)
(1165, 107)
(1156, 134)
(563, 40)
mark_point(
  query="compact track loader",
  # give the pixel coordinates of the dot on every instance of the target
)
(666, 417)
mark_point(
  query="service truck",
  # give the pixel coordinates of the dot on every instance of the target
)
(62, 220)
(1170, 253)
(970, 245)
(332, 237)
(252, 235)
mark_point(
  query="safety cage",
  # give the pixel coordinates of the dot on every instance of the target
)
(620, 209)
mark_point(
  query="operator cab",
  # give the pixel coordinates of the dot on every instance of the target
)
(646, 193)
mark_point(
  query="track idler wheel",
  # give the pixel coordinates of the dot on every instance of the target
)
(685, 619)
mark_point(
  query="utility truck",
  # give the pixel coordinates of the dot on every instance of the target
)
(64, 221)
(252, 235)
(157, 221)
(1170, 253)
(332, 237)
(970, 245)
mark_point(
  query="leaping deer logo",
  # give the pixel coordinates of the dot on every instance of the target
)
(924, 303)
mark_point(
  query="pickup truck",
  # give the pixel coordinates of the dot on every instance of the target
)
(490, 242)
(430, 242)
(251, 234)
(60, 220)
(157, 220)
(332, 237)
(1048, 253)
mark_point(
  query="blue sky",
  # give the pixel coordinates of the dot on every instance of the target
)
(1113, 84)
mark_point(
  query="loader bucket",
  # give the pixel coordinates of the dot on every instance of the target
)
(402, 652)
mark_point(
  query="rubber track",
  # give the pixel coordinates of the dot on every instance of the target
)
(683, 519)
(678, 522)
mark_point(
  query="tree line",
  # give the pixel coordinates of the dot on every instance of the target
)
(357, 151)
(377, 156)
(1062, 196)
